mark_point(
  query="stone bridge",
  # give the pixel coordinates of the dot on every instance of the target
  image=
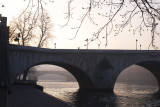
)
(93, 69)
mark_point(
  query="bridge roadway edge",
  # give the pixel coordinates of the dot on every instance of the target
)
(13, 47)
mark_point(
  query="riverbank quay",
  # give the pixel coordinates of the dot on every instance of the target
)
(29, 96)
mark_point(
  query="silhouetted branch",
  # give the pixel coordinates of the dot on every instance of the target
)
(68, 14)
(113, 10)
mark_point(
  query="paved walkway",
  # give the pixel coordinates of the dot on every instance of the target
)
(28, 96)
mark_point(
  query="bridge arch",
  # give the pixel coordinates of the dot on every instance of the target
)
(83, 80)
(152, 66)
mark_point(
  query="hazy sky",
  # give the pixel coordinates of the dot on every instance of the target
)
(126, 40)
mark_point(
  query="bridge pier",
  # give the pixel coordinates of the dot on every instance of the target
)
(4, 71)
(103, 80)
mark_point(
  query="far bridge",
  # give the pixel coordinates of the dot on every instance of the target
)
(34, 75)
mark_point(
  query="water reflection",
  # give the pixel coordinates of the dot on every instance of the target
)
(133, 95)
(125, 89)
(134, 98)
(124, 95)
(93, 99)
(136, 87)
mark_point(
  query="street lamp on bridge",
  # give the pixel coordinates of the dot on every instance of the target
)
(54, 45)
(98, 46)
(136, 43)
(87, 43)
(17, 38)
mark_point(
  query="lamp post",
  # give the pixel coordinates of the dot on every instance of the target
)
(87, 42)
(17, 38)
(140, 46)
(98, 46)
(54, 45)
(136, 43)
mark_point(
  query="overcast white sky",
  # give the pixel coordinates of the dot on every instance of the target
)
(126, 40)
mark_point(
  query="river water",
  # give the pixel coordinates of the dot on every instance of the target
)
(124, 95)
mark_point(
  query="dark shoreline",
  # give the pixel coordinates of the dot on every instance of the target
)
(32, 95)
(29, 83)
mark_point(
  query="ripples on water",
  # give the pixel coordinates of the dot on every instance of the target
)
(124, 95)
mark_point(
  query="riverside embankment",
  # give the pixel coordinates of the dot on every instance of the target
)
(29, 96)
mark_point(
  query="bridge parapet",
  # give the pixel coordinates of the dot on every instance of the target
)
(83, 51)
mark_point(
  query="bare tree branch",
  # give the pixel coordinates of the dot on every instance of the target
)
(147, 11)
(29, 21)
